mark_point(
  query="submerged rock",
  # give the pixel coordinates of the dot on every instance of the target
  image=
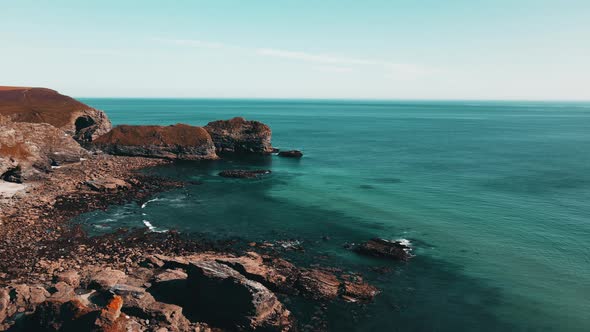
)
(398, 250)
(176, 142)
(40, 105)
(238, 135)
(291, 154)
(244, 174)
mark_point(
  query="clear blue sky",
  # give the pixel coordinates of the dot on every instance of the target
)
(384, 49)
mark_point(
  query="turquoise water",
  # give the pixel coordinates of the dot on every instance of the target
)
(493, 195)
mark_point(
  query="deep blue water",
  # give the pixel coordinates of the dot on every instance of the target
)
(493, 195)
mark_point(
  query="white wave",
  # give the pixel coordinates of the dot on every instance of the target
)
(404, 242)
(151, 227)
(151, 200)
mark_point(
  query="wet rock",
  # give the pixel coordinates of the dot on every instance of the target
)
(252, 306)
(176, 142)
(291, 154)
(319, 284)
(397, 250)
(244, 174)
(240, 136)
(356, 290)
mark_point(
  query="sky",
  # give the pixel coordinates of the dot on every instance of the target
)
(333, 49)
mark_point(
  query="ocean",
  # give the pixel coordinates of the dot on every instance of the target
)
(494, 197)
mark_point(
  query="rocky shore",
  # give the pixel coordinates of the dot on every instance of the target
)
(54, 277)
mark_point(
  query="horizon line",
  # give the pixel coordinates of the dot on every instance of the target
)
(337, 99)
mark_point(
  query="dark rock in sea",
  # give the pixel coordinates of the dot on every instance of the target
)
(398, 250)
(291, 154)
(240, 136)
(176, 142)
(40, 105)
(244, 174)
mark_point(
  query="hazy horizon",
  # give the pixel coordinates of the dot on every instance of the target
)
(374, 50)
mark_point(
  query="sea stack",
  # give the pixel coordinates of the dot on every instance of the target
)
(238, 135)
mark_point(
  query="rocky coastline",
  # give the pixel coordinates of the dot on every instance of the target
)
(54, 277)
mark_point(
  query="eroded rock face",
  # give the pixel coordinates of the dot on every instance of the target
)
(176, 142)
(40, 105)
(252, 305)
(28, 150)
(240, 136)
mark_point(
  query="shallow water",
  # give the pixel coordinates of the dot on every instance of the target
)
(493, 196)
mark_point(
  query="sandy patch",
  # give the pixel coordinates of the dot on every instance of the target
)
(8, 189)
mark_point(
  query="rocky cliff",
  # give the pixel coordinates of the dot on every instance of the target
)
(28, 150)
(176, 142)
(40, 105)
(238, 135)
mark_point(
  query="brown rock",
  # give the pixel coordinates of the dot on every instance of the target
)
(39, 105)
(168, 275)
(105, 279)
(107, 184)
(28, 150)
(4, 303)
(319, 284)
(177, 142)
(240, 136)
(70, 277)
(62, 291)
(253, 306)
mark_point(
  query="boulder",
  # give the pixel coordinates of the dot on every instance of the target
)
(107, 184)
(291, 154)
(176, 142)
(244, 174)
(70, 277)
(397, 250)
(105, 279)
(238, 135)
(40, 105)
(252, 305)
(29, 150)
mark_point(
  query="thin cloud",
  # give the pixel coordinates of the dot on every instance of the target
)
(328, 63)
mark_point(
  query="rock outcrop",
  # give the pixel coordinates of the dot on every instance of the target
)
(40, 105)
(398, 250)
(238, 135)
(176, 142)
(291, 154)
(252, 305)
(28, 150)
